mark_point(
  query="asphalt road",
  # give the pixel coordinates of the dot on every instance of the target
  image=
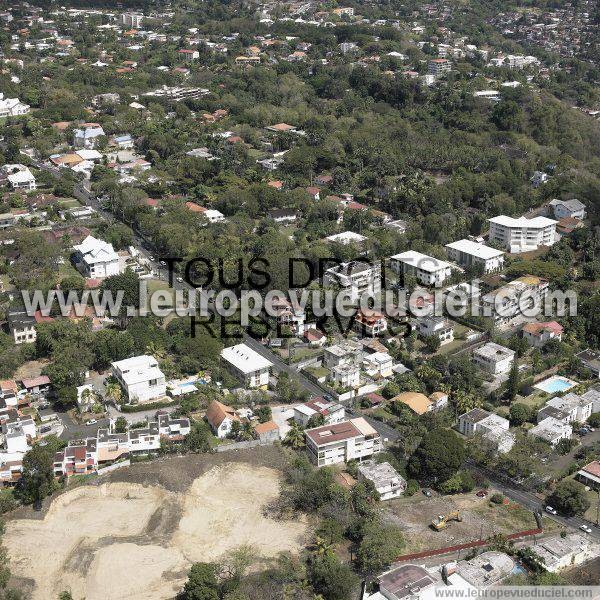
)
(533, 502)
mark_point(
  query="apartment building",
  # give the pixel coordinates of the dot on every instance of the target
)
(552, 430)
(428, 270)
(378, 365)
(435, 327)
(341, 442)
(140, 377)
(346, 375)
(96, 258)
(345, 352)
(468, 253)
(132, 20)
(493, 358)
(512, 300)
(492, 427)
(522, 234)
(247, 365)
(569, 408)
(21, 326)
(356, 278)
(439, 66)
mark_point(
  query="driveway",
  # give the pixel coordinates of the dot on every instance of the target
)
(281, 414)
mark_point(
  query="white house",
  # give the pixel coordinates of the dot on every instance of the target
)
(347, 237)
(493, 358)
(435, 326)
(19, 177)
(552, 430)
(12, 107)
(355, 277)
(19, 433)
(574, 209)
(387, 481)
(428, 270)
(557, 553)
(492, 427)
(87, 136)
(331, 412)
(140, 377)
(247, 365)
(21, 325)
(378, 364)
(213, 215)
(468, 253)
(522, 234)
(539, 334)
(96, 258)
(341, 442)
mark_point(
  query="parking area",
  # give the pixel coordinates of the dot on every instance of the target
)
(281, 415)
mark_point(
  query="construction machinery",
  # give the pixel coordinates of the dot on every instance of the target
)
(442, 521)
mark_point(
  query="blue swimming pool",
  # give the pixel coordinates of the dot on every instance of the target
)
(556, 384)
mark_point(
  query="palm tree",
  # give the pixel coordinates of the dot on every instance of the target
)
(247, 433)
(464, 401)
(114, 392)
(153, 349)
(294, 437)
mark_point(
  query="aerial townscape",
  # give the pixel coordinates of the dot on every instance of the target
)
(299, 300)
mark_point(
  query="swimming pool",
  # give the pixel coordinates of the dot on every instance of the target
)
(555, 384)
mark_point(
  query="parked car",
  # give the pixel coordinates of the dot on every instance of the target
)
(585, 528)
(482, 493)
(45, 428)
(91, 422)
(551, 510)
(180, 279)
(427, 493)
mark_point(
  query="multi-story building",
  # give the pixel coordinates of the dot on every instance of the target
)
(552, 430)
(568, 408)
(539, 334)
(387, 481)
(493, 358)
(428, 270)
(19, 177)
(345, 352)
(370, 322)
(356, 278)
(378, 365)
(492, 427)
(330, 411)
(468, 253)
(247, 365)
(512, 300)
(346, 375)
(522, 234)
(140, 377)
(132, 20)
(439, 66)
(96, 258)
(21, 326)
(341, 442)
(435, 326)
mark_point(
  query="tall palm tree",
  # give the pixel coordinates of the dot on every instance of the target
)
(114, 392)
(464, 401)
(153, 349)
(294, 437)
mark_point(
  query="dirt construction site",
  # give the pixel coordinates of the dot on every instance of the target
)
(480, 519)
(135, 533)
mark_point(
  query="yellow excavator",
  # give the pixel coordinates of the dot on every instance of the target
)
(442, 521)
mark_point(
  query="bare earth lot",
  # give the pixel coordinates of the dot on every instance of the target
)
(479, 519)
(136, 539)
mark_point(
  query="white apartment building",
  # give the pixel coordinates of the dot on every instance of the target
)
(568, 408)
(331, 412)
(356, 278)
(387, 481)
(96, 258)
(428, 270)
(510, 301)
(18, 433)
(493, 358)
(378, 365)
(552, 430)
(12, 107)
(468, 253)
(343, 353)
(439, 66)
(341, 442)
(247, 365)
(140, 377)
(522, 234)
(346, 375)
(132, 20)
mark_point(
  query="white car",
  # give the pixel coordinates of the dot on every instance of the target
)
(551, 510)
(91, 422)
(180, 279)
(585, 528)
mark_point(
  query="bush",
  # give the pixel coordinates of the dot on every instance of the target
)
(133, 408)
(497, 498)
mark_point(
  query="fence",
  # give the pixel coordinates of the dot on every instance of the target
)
(473, 544)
